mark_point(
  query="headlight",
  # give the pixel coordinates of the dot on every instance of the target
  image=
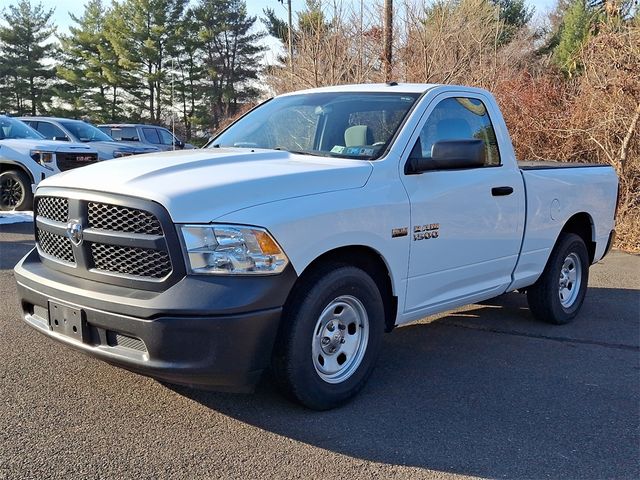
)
(232, 250)
(122, 153)
(43, 158)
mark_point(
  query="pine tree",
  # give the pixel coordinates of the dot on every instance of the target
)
(515, 15)
(25, 77)
(231, 52)
(91, 77)
(142, 32)
(576, 26)
(188, 74)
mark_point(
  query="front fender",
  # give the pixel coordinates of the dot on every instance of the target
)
(310, 226)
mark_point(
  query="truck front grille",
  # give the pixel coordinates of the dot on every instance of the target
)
(70, 160)
(122, 241)
(122, 219)
(53, 208)
(55, 246)
(140, 262)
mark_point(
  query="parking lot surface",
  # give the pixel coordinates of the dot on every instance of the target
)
(483, 391)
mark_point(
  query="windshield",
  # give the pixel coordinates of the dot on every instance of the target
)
(85, 132)
(10, 128)
(338, 124)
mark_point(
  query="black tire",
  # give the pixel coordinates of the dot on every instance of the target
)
(544, 297)
(15, 191)
(294, 366)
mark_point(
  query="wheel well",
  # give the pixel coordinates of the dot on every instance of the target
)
(370, 261)
(582, 225)
(5, 167)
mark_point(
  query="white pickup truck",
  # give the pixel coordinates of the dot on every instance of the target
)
(308, 228)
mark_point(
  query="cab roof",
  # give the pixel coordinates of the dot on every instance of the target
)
(391, 87)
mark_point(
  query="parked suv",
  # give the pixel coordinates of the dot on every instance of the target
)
(26, 158)
(150, 135)
(68, 130)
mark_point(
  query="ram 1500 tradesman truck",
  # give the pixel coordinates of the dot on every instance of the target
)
(309, 227)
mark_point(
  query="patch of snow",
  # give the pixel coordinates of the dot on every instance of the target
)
(15, 217)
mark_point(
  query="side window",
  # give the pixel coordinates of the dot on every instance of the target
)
(460, 119)
(129, 134)
(49, 130)
(151, 134)
(165, 137)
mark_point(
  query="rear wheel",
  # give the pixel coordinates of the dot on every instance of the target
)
(330, 337)
(559, 292)
(15, 191)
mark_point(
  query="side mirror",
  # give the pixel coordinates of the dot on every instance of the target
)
(61, 139)
(179, 144)
(449, 155)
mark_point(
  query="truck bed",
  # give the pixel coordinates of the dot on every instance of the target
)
(546, 164)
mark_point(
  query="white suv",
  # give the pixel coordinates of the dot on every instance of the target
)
(26, 158)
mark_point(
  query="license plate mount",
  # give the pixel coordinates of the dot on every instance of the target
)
(68, 321)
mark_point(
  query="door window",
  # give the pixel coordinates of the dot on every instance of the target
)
(49, 130)
(151, 134)
(459, 119)
(165, 137)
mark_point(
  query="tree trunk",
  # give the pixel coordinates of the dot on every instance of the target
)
(627, 139)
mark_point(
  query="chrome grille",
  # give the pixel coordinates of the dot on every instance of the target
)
(53, 208)
(55, 246)
(124, 241)
(139, 262)
(122, 219)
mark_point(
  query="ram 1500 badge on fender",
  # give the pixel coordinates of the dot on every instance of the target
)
(308, 228)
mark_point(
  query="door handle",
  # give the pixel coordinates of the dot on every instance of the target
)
(501, 191)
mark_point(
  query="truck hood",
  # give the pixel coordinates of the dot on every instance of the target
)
(25, 145)
(198, 186)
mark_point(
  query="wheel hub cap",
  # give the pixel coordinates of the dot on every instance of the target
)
(340, 339)
(570, 280)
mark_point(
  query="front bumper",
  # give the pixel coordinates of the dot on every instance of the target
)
(213, 332)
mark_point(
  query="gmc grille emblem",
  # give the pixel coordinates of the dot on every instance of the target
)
(74, 232)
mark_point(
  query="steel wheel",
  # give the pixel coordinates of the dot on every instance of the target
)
(340, 339)
(11, 192)
(570, 280)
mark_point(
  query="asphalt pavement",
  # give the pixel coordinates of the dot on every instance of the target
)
(483, 391)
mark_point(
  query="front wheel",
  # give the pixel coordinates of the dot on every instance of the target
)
(559, 292)
(330, 337)
(15, 191)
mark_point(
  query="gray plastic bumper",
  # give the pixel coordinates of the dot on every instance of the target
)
(215, 332)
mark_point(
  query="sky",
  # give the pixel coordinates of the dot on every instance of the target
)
(255, 7)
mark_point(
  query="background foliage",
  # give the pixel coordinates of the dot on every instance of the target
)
(568, 82)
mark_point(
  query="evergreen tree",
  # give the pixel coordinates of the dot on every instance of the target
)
(574, 32)
(515, 15)
(142, 32)
(188, 74)
(92, 78)
(231, 50)
(25, 77)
